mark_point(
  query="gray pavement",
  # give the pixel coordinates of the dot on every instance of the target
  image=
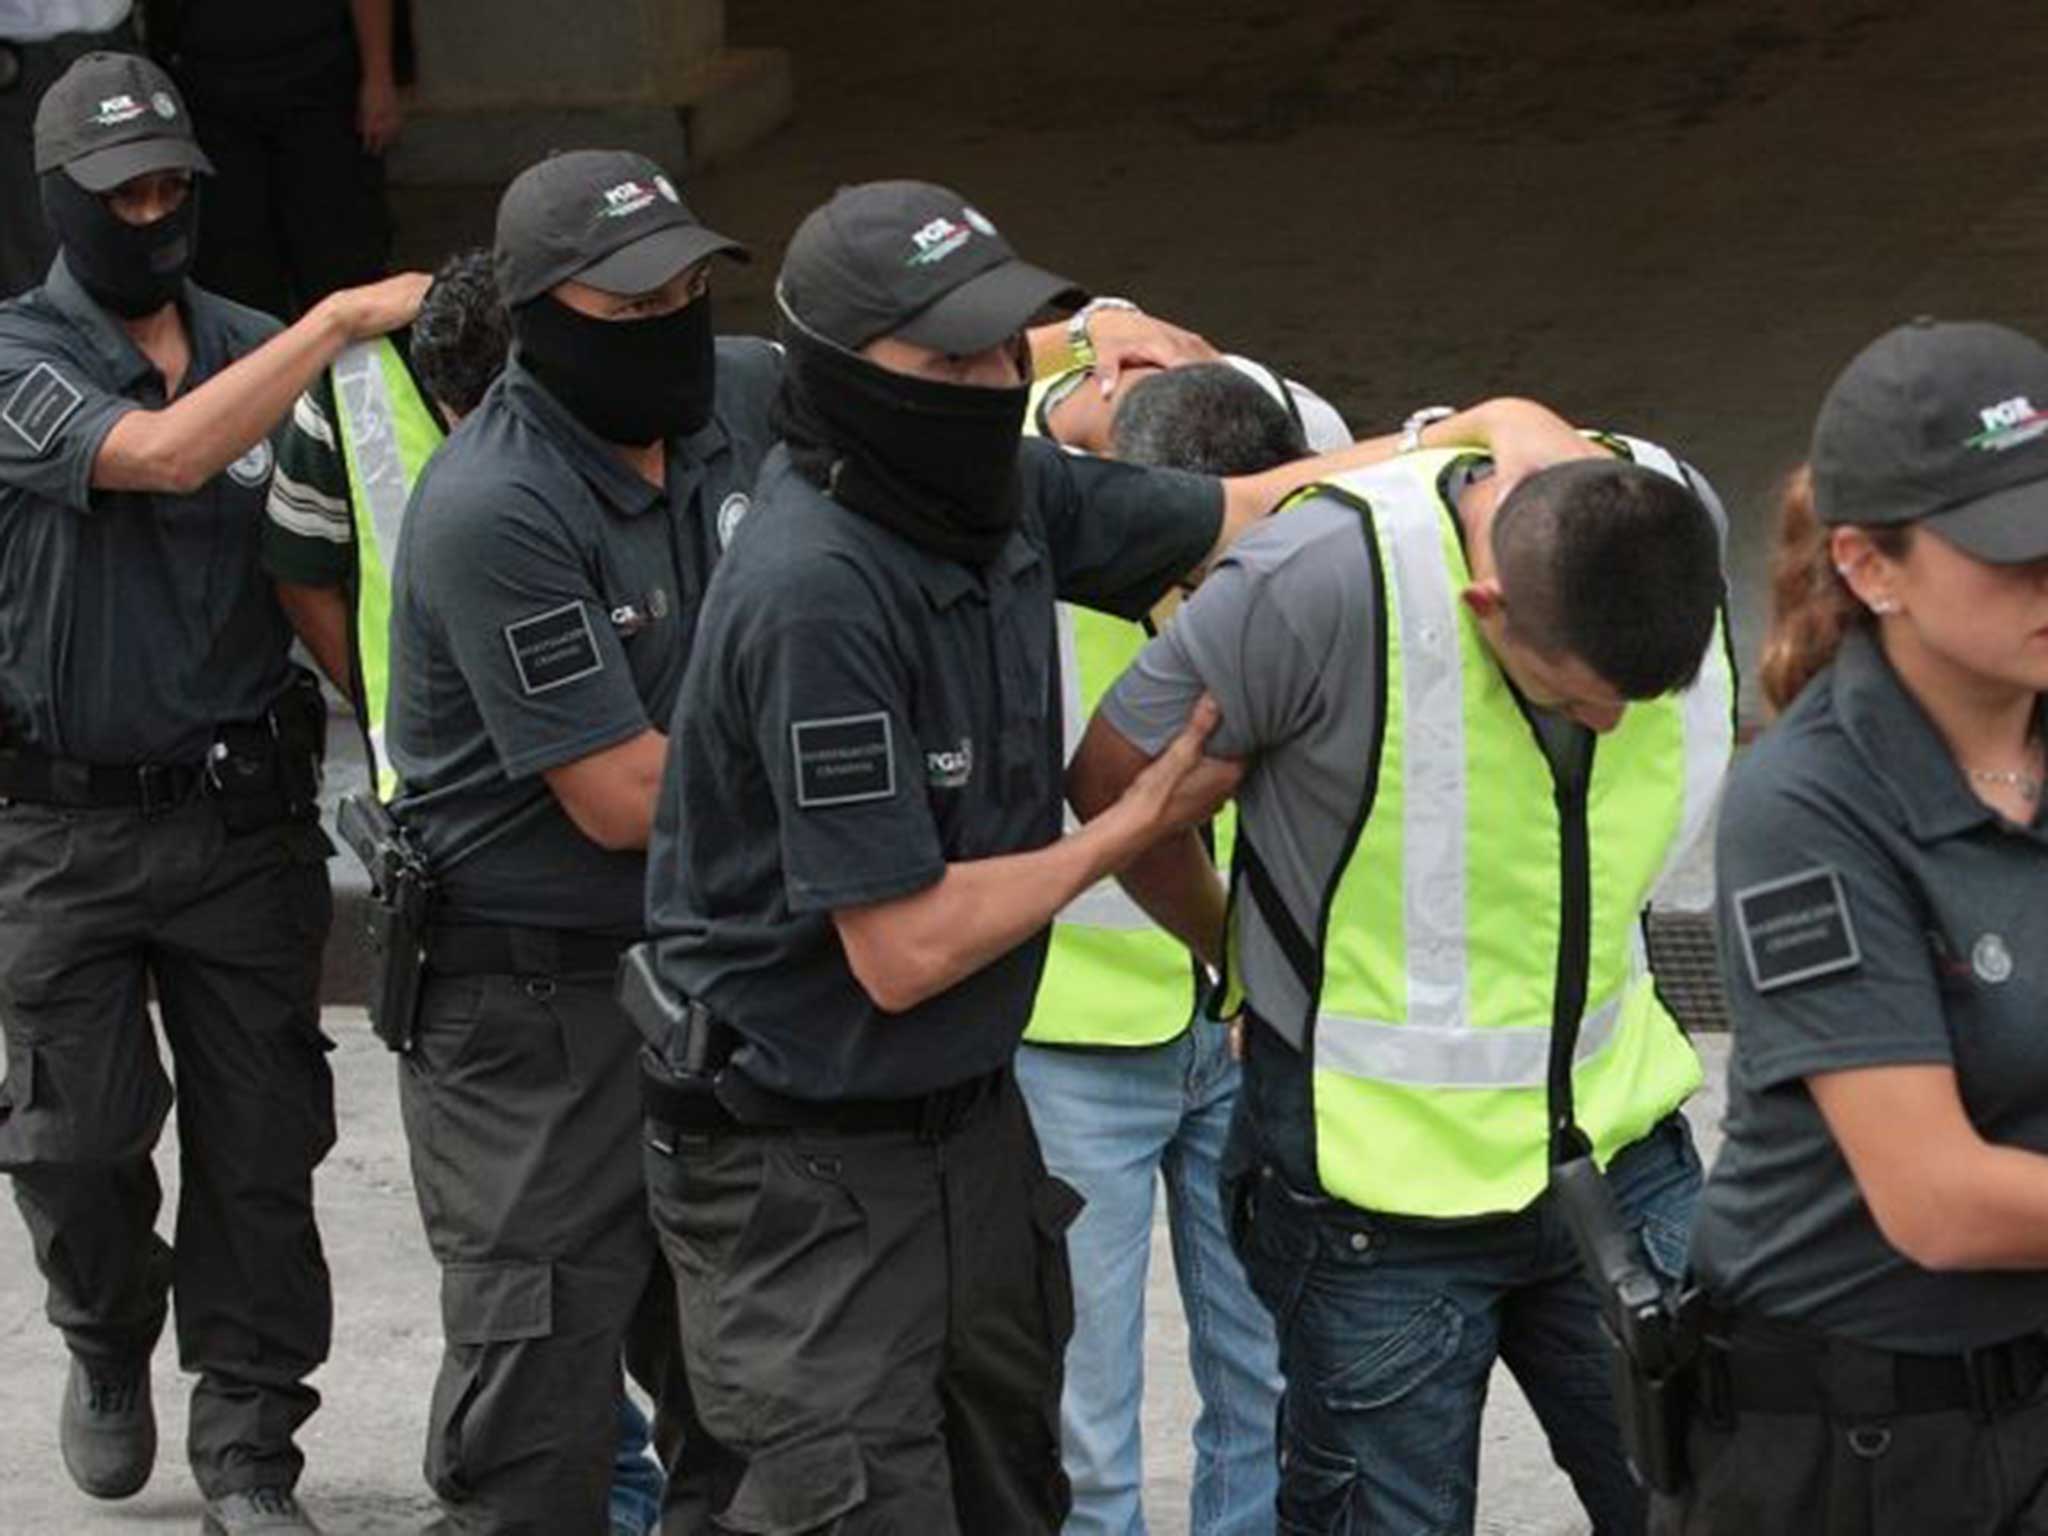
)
(363, 1447)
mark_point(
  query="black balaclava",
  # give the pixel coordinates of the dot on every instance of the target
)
(631, 382)
(934, 463)
(131, 269)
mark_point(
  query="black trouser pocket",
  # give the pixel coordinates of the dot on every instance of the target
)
(487, 1311)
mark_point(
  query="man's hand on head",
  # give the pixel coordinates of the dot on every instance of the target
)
(1125, 338)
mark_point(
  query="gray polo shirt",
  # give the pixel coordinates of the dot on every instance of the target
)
(1284, 633)
(1874, 912)
(544, 601)
(131, 622)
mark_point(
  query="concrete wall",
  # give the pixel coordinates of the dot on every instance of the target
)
(501, 85)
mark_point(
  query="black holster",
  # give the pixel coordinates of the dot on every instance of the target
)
(401, 893)
(1656, 1335)
(267, 770)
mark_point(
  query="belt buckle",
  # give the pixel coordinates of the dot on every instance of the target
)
(156, 789)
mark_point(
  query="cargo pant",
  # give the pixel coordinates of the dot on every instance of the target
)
(95, 907)
(521, 1102)
(875, 1323)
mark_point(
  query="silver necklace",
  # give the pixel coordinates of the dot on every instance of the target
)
(2029, 785)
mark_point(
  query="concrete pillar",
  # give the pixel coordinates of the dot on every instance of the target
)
(501, 84)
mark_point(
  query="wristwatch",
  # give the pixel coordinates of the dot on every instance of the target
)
(1418, 421)
(1081, 346)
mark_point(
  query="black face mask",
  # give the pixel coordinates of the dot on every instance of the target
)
(631, 382)
(934, 463)
(131, 269)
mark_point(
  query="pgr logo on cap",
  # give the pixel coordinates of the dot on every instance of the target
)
(938, 240)
(628, 197)
(115, 110)
(2008, 424)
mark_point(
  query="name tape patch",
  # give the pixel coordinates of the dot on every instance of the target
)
(553, 648)
(1796, 928)
(40, 404)
(843, 760)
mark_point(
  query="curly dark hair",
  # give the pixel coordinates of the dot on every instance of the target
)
(462, 334)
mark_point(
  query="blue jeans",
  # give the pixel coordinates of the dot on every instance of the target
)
(1389, 1328)
(1111, 1123)
(636, 1476)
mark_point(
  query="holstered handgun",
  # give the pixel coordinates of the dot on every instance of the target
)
(1655, 1334)
(401, 891)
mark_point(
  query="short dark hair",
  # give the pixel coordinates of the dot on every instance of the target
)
(462, 334)
(1205, 417)
(1615, 565)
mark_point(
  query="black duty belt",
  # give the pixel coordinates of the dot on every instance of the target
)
(152, 788)
(1752, 1367)
(732, 1103)
(494, 949)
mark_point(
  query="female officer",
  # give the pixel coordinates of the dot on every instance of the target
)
(1873, 1243)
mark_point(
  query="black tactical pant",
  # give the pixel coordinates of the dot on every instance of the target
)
(95, 906)
(1926, 1474)
(875, 1322)
(522, 1108)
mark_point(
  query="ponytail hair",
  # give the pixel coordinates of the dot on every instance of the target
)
(1812, 607)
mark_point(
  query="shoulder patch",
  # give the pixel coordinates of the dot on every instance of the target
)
(1796, 928)
(40, 404)
(843, 760)
(731, 513)
(553, 648)
(253, 468)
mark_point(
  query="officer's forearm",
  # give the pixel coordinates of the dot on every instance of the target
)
(184, 445)
(319, 617)
(612, 793)
(908, 950)
(1521, 434)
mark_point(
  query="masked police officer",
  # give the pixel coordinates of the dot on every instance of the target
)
(158, 758)
(857, 854)
(546, 584)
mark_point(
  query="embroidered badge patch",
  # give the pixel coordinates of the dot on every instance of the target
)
(844, 760)
(40, 404)
(253, 468)
(553, 648)
(1795, 929)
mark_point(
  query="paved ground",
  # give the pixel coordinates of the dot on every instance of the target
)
(364, 1444)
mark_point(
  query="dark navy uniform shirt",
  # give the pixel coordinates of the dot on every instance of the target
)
(859, 714)
(543, 601)
(131, 622)
(1873, 913)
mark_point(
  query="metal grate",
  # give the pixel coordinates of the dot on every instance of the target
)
(1688, 973)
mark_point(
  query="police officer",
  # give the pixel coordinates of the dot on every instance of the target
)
(1435, 868)
(857, 853)
(1873, 1243)
(158, 758)
(546, 586)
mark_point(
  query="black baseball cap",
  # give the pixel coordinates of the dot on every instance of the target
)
(112, 117)
(606, 217)
(1938, 422)
(910, 259)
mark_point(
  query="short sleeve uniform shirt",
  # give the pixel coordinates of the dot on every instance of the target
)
(131, 622)
(543, 605)
(859, 714)
(1873, 912)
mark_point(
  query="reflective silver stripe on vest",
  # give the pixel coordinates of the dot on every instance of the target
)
(1418, 1056)
(362, 397)
(1105, 904)
(1433, 818)
(1707, 711)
